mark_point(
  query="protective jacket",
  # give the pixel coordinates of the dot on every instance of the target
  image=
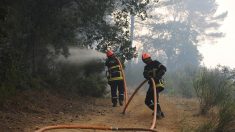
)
(114, 69)
(155, 70)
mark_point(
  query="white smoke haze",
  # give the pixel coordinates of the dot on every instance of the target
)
(81, 56)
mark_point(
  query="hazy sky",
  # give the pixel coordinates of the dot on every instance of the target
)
(223, 52)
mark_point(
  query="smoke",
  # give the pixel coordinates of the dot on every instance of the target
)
(81, 56)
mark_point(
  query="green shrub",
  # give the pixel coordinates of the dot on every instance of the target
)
(216, 87)
(212, 86)
(82, 79)
(93, 85)
(180, 82)
(226, 121)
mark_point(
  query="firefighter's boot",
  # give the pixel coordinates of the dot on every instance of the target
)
(121, 103)
(160, 114)
(114, 101)
(121, 98)
(114, 104)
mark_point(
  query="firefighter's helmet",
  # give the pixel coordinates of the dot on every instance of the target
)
(109, 53)
(146, 57)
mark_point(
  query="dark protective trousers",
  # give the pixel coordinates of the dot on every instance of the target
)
(149, 99)
(117, 85)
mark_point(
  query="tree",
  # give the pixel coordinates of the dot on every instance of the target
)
(34, 32)
(34, 25)
(178, 27)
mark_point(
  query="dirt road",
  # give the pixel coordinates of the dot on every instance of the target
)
(180, 115)
(33, 110)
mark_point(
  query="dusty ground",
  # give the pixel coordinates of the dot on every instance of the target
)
(47, 109)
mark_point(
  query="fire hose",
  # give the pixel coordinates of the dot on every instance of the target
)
(93, 127)
(124, 80)
(113, 128)
(155, 100)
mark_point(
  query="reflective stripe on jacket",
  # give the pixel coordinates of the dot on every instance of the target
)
(114, 70)
(155, 70)
(160, 83)
(117, 75)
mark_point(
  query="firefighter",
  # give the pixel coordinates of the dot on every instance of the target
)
(153, 69)
(115, 78)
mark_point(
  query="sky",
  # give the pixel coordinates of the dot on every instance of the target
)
(222, 52)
